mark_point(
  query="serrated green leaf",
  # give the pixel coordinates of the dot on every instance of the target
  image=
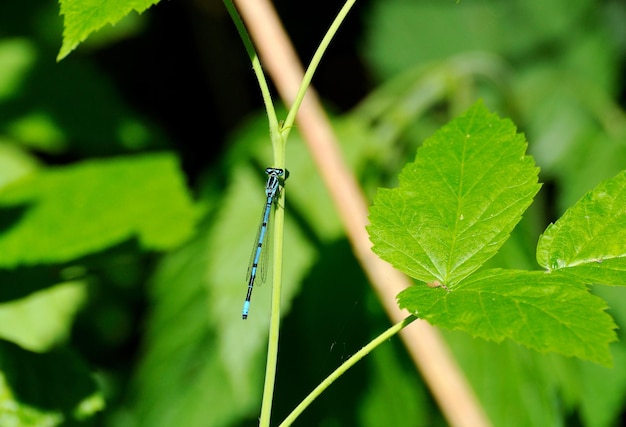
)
(458, 202)
(600, 272)
(545, 312)
(64, 213)
(589, 240)
(83, 17)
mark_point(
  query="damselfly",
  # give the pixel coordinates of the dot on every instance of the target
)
(272, 189)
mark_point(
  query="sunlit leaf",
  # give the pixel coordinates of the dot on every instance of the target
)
(589, 240)
(545, 312)
(63, 213)
(42, 319)
(458, 202)
(83, 17)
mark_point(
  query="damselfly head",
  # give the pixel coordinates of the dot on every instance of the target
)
(274, 171)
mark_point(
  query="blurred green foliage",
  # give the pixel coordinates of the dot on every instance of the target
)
(76, 170)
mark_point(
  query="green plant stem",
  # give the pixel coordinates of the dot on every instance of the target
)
(272, 347)
(258, 71)
(279, 136)
(278, 146)
(317, 57)
(344, 367)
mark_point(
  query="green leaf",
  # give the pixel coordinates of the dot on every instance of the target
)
(182, 338)
(604, 390)
(447, 27)
(64, 213)
(42, 319)
(14, 163)
(458, 202)
(83, 17)
(545, 312)
(516, 386)
(17, 56)
(589, 240)
(52, 389)
(196, 326)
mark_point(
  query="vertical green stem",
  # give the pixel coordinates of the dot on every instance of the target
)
(278, 145)
(272, 348)
(279, 136)
(256, 66)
